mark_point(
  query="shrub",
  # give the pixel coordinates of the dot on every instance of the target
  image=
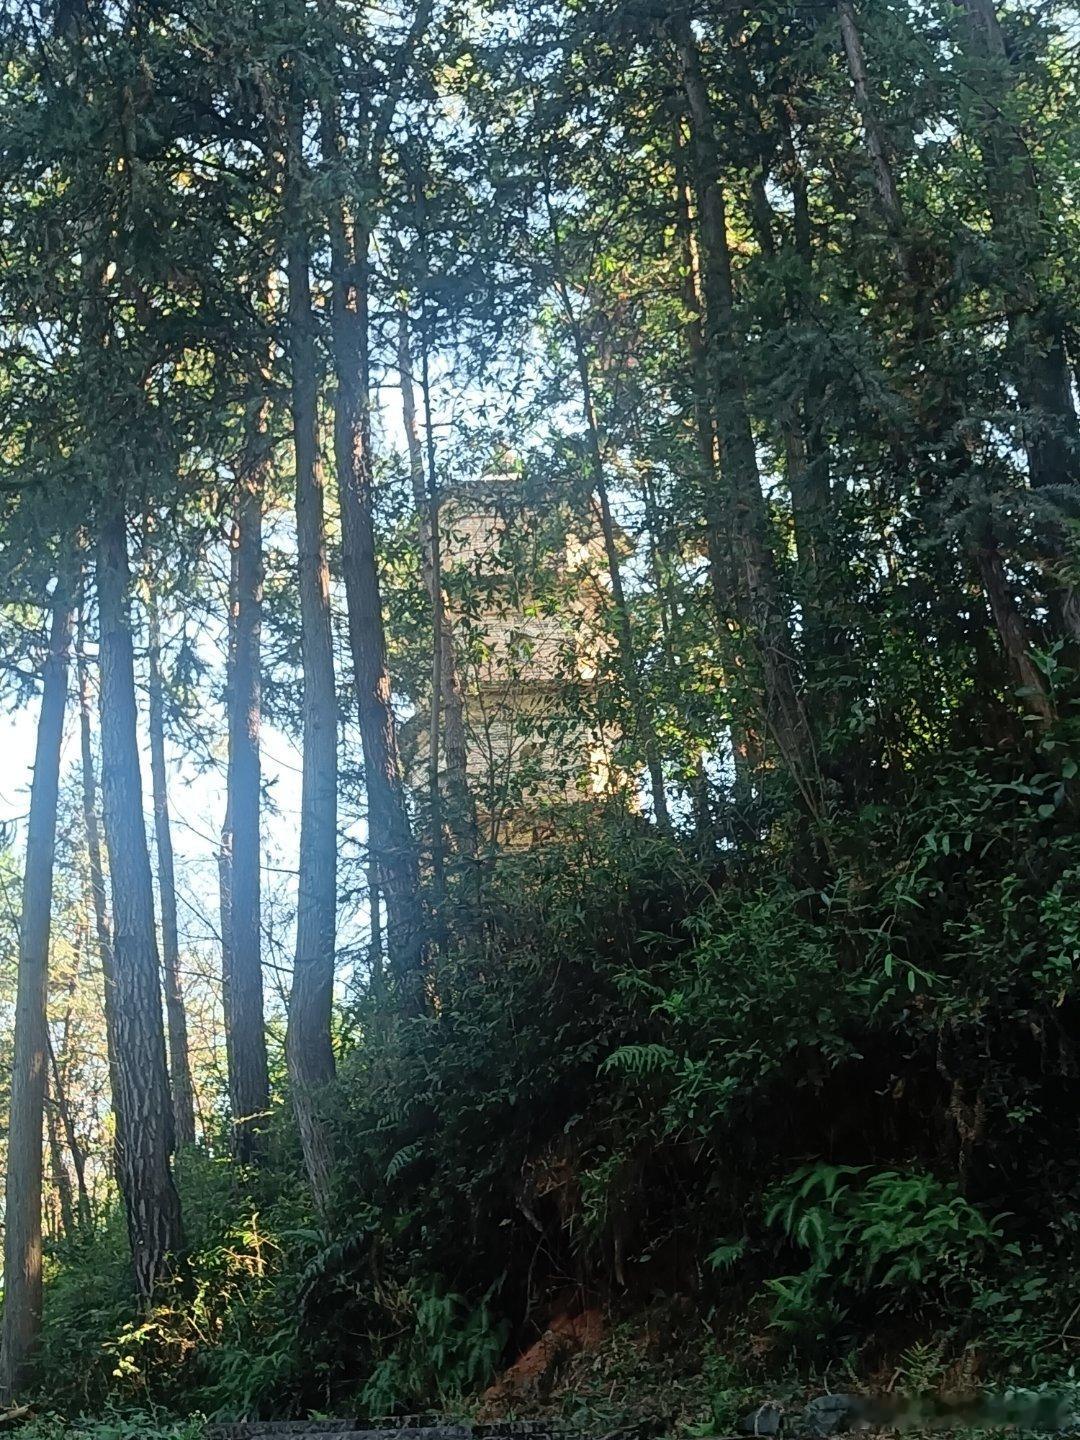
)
(898, 1240)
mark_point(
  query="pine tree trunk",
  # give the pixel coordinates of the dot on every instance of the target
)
(21, 1323)
(389, 830)
(225, 842)
(97, 880)
(308, 1046)
(245, 1030)
(179, 1062)
(145, 1134)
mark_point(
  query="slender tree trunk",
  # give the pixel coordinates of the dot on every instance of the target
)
(225, 840)
(426, 496)
(179, 1061)
(1036, 336)
(308, 1044)
(718, 509)
(375, 947)
(876, 144)
(809, 504)
(720, 539)
(60, 1177)
(809, 480)
(782, 708)
(693, 305)
(145, 1134)
(97, 880)
(701, 808)
(75, 1150)
(627, 651)
(21, 1323)
(693, 774)
(462, 812)
(245, 1031)
(389, 830)
(1012, 631)
(224, 875)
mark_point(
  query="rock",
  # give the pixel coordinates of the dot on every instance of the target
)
(765, 1420)
(828, 1415)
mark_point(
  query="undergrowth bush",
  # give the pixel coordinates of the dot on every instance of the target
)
(113, 1424)
(869, 1065)
(222, 1332)
(894, 1240)
(448, 1349)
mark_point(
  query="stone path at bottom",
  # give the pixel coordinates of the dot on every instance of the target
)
(408, 1428)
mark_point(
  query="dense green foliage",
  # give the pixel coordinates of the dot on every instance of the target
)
(761, 324)
(621, 1092)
